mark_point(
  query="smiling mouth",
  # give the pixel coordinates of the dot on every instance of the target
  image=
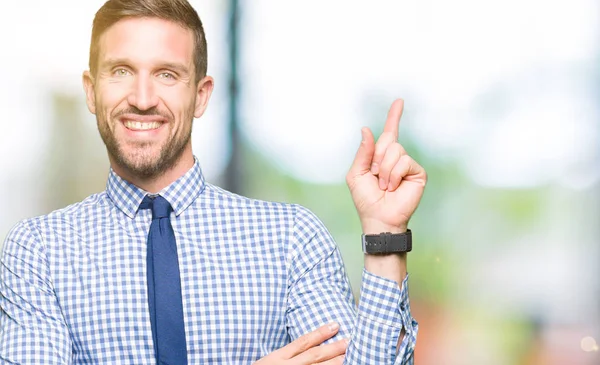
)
(141, 126)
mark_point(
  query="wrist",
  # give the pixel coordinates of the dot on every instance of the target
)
(391, 266)
(373, 226)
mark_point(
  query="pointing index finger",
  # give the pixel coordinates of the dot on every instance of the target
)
(393, 118)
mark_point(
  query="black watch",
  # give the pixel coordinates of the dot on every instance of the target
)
(387, 242)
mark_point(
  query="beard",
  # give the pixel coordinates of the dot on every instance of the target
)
(142, 161)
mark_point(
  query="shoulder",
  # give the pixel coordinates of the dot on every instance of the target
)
(76, 213)
(219, 198)
(303, 220)
(32, 229)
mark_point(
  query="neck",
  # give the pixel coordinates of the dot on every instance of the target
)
(155, 184)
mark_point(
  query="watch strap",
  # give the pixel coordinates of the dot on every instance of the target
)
(387, 242)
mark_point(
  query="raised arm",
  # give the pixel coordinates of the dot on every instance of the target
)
(386, 187)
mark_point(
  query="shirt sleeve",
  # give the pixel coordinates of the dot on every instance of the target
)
(319, 292)
(32, 327)
(383, 312)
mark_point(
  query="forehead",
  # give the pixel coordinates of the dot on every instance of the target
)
(147, 40)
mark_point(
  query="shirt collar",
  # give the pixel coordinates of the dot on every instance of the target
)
(180, 194)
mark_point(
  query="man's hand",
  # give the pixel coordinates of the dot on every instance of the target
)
(385, 182)
(306, 350)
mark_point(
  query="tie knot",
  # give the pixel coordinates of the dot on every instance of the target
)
(159, 205)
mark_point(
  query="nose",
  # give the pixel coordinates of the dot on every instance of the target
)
(143, 94)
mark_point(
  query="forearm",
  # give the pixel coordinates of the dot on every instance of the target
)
(385, 331)
(389, 266)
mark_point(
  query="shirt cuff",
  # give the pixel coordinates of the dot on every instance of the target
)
(386, 305)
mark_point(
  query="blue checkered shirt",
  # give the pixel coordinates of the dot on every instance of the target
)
(255, 275)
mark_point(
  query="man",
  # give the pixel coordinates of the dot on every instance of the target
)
(163, 267)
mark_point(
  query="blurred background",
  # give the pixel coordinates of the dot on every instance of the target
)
(502, 102)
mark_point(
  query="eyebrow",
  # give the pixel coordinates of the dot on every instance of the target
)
(179, 68)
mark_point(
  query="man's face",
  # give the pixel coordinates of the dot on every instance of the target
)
(144, 94)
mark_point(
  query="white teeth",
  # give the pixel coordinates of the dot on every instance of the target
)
(132, 124)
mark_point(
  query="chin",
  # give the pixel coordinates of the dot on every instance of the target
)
(140, 163)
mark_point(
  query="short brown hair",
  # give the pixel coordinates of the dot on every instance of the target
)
(178, 11)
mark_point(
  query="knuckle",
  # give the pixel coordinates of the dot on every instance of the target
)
(406, 158)
(393, 153)
(383, 168)
(317, 355)
(303, 341)
(384, 141)
(388, 135)
(312, 355)
(379, 152)
(348, 178)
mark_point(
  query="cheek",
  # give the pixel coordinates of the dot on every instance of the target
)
(111, 98)
(181, 107)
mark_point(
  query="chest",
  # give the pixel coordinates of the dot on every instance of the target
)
(233, 290)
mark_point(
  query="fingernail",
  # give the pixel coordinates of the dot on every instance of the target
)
(362, 135)
(334, 326)
(347, 340)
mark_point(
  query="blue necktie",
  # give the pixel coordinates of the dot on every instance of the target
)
(164, 286)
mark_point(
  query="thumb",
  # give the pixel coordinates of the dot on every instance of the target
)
(364, 155)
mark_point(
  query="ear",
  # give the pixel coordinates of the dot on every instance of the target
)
(204, 90)
(90, 94)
